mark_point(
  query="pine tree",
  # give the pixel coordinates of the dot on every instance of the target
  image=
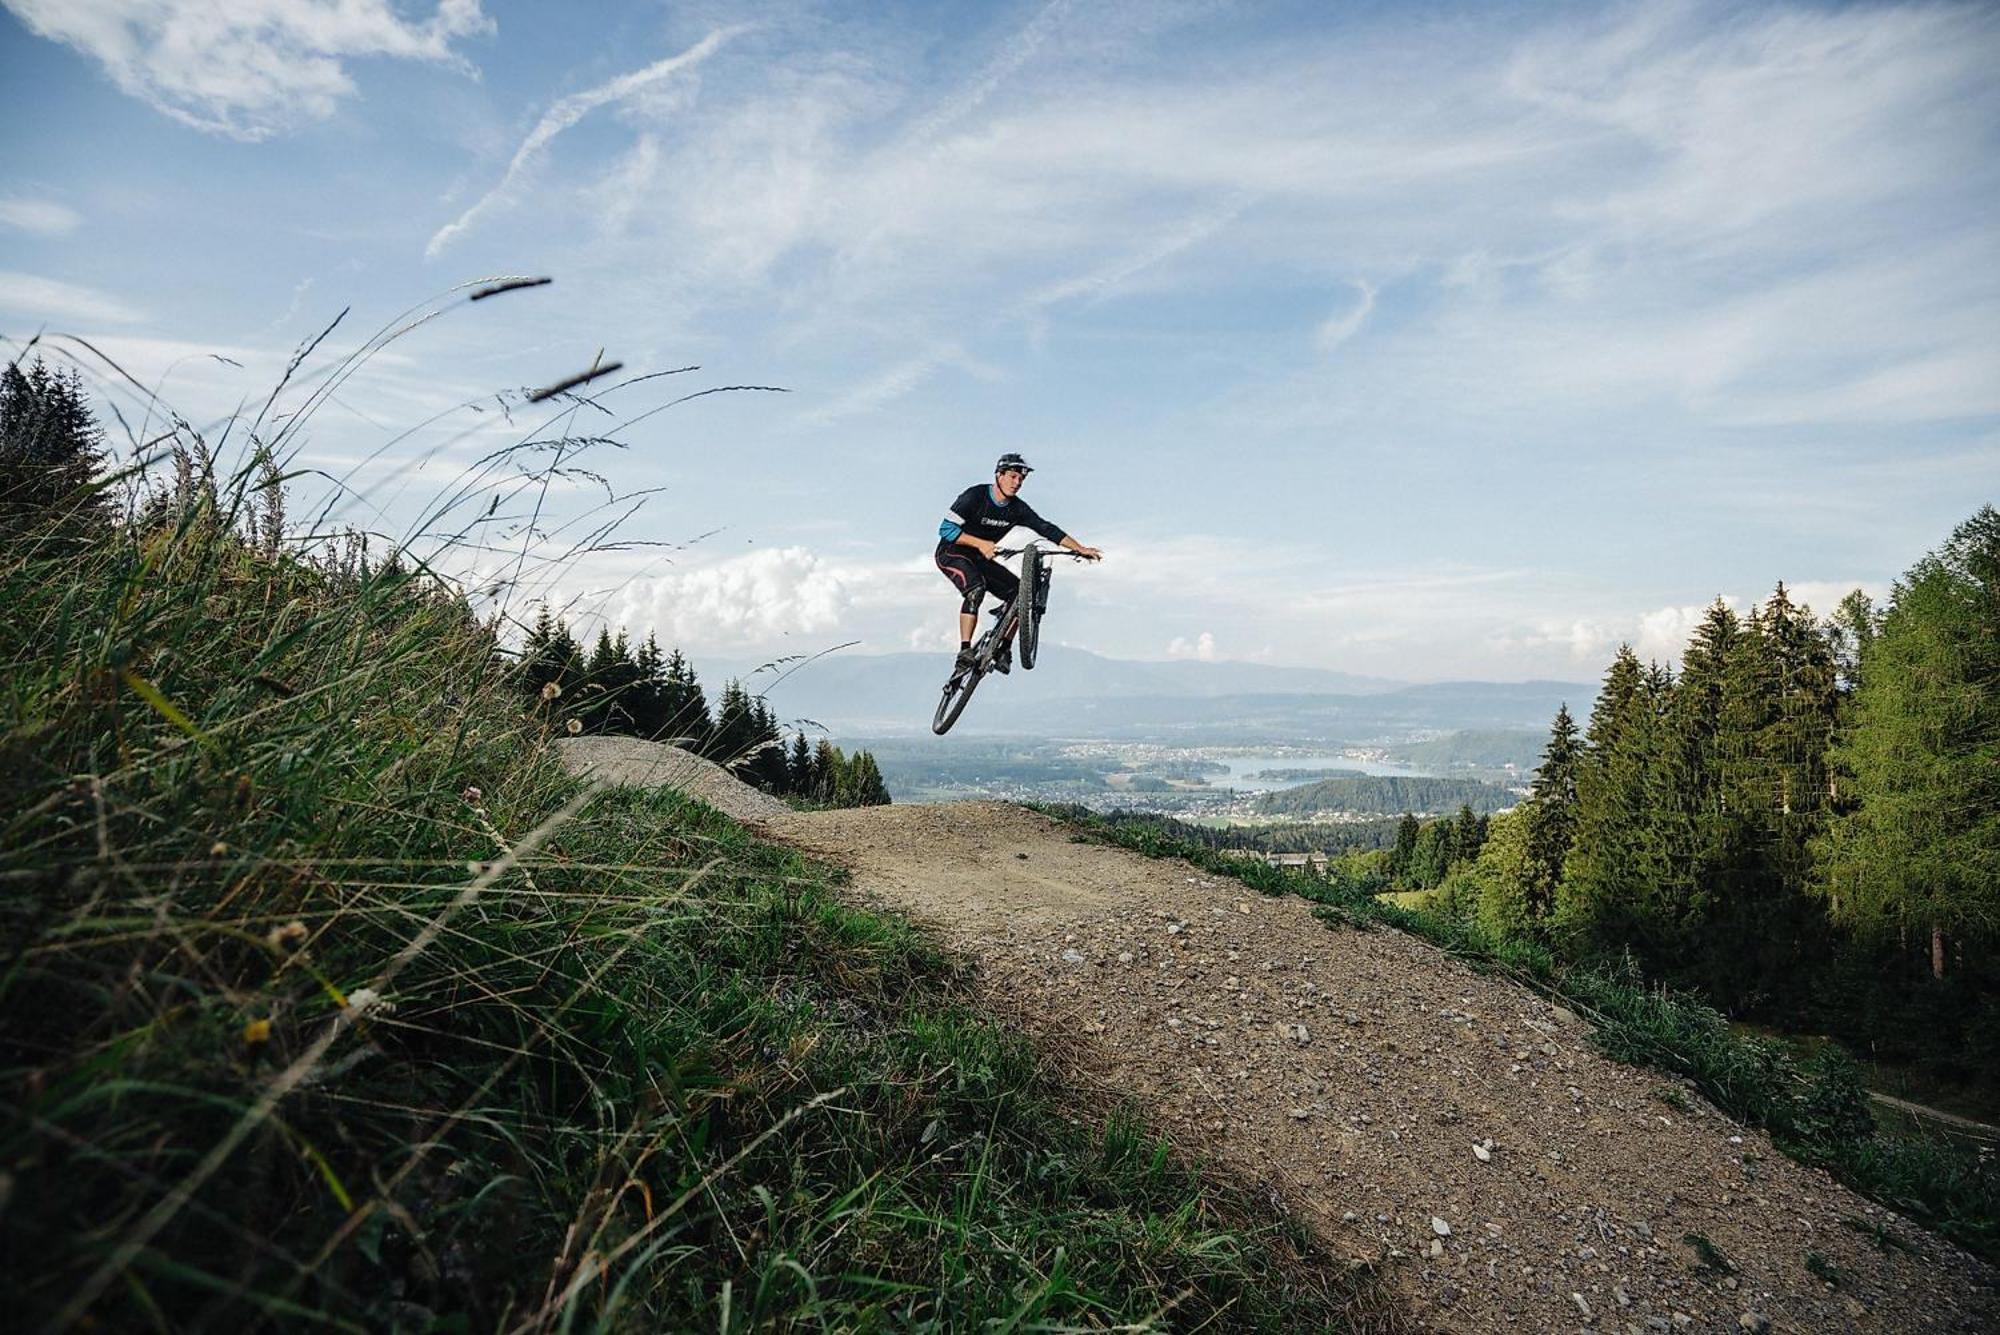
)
(51, 448)
(767, 764)
(1406, 846)
(647, 700)
(1468, 833)
(730, 741)
(550, 657)
(1684, 840)
(869, 790)
(825, 772)
(1430, 858)
(1550, 813)
(686, 709)
(1602, 900)
(594, 703)
(799, 767)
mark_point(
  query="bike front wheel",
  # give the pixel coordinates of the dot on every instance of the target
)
(1026, 609)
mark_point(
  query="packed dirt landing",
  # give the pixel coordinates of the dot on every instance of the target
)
(1454, 1126)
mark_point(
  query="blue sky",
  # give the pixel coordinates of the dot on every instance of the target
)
(1420, 340)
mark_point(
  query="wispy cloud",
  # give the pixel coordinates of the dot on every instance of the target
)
(42, 217)
(1016, 52)
(31, 294)
(567, 112)
(249, 68)
(890, 383)
(1107, 278)
(1339, 328)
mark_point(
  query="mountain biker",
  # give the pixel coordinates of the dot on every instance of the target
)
(972, 528)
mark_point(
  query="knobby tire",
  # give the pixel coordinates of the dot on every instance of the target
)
(1029, 637)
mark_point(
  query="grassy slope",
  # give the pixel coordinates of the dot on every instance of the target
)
(328, 998)
(1815, 1110)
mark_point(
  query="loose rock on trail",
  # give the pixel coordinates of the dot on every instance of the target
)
(1454, 1126)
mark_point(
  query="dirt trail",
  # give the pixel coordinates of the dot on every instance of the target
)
(1409, 1109)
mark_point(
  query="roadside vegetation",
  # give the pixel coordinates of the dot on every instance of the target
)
(1815, 1108)
(331, 1000)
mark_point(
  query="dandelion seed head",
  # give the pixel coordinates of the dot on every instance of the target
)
(551, 689)
(575, 726)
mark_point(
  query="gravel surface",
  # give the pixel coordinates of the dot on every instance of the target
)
(1453, 1126)
(628, 760)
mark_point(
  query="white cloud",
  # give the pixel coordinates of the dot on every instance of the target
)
(745, 601)
(567, 112)
(1789, 112)
(1202, 647)
(1663, 633)
(43, 217)
(32, 295)
(1339, 328)
(246, 68)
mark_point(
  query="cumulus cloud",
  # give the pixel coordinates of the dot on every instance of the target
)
(567, 112)
(1201, 648)
(1663, 632)
(43, 217)
(751, 600)
(248, 68)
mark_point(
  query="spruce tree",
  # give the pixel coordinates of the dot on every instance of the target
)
(1684, 838)
(1550, 815)
(51, 448)
(647, 700)
(687, 721)
(1405, 848)
(1602, 901)
(825, 771)
(798, 768)
(1467, 834)
(869, 790)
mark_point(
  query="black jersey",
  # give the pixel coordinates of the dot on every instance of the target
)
(980, 512)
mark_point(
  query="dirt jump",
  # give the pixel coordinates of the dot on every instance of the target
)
(1452, 1127)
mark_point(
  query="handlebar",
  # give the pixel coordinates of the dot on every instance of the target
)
(1045, 551)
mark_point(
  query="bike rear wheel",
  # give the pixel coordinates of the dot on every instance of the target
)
(957, 694)
(1026, 611)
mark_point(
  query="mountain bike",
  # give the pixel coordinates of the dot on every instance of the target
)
(1021, 618)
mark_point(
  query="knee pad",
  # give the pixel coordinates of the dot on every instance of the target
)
(974, 595)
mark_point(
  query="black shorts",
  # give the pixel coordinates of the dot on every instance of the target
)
(975, 576)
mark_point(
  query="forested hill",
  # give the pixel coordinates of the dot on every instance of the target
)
(1387, 795)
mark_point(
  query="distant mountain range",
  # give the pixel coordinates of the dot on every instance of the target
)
(1075, 693)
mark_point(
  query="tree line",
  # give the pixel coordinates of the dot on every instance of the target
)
(615, 690)
(1384, 795)
(1802, 822)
